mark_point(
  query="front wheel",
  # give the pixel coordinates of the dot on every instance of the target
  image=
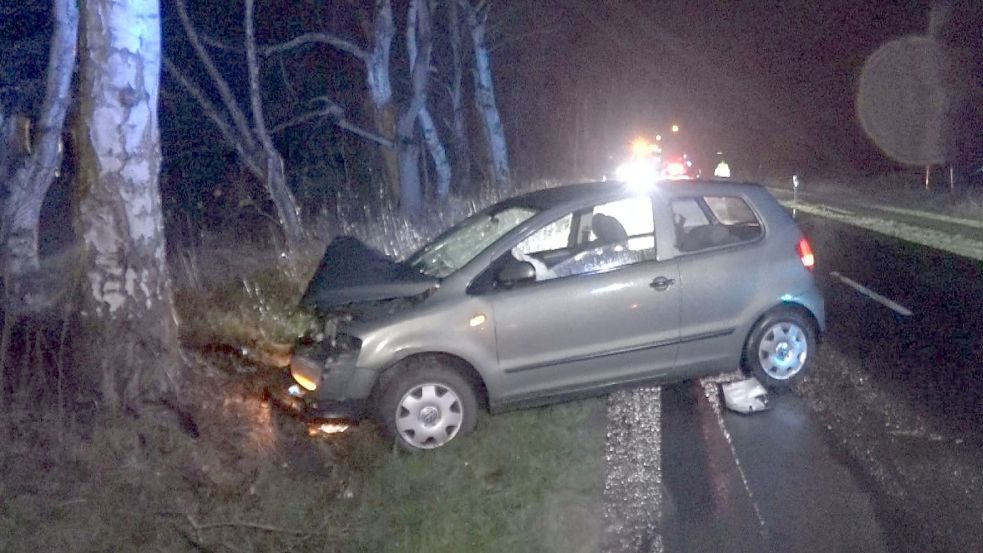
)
(426, 405)
(780, 349)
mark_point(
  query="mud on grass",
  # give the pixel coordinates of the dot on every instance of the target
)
(256, 480)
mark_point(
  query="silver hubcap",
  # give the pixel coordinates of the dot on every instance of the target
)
(429, 415)
(783, 350)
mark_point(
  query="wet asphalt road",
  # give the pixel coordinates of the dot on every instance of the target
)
(780, 481)
(934, 357)
(756, 483)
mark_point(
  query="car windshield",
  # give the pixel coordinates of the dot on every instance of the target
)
(454, 249)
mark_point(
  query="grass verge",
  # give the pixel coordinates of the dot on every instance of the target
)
(525, 481)
(257, 481)
(902, 189)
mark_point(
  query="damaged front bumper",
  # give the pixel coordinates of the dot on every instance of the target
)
(290, 397)
(317, 383)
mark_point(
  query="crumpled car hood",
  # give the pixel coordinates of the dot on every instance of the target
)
(351, 272)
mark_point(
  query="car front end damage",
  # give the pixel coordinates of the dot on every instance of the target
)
(353, 284)
(320, 373)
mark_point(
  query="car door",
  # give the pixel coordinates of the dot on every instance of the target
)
(721, 258)
(594, 323)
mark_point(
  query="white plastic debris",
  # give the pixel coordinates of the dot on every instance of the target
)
(745, 396)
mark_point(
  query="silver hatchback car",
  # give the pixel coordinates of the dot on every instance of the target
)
(556, 294)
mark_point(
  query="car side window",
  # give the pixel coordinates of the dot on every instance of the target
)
(711, 221)
(547, 246)
(730, 210)
(610, 236)
(552, 237)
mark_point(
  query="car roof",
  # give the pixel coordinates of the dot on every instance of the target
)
(547, 198)
(556, 196)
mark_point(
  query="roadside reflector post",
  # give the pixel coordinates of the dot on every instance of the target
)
(952, 178)
(928, 176)
(795, 188)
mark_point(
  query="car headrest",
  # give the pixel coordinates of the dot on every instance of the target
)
(608, 230)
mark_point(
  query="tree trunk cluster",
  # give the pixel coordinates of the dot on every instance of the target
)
(401, 129)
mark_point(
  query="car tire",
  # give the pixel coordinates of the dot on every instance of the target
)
(781, 348)
(426, 404)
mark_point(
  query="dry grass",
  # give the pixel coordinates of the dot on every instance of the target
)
(255, 479)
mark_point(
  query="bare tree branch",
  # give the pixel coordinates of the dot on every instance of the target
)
(218, 44)
(238, 118)
(228, 133)
(316, 38)
(322, 37)
(337, 114)
(255, 97)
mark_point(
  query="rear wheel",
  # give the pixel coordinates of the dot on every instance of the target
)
(427, 404)
(780, 349)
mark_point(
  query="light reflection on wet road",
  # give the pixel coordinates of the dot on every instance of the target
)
(762, 482)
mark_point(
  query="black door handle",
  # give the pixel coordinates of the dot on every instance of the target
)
(662, 283)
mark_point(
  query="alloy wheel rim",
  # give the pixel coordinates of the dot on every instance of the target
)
(783, 350)
(429, 415)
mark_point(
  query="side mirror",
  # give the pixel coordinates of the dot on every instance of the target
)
(517, 271)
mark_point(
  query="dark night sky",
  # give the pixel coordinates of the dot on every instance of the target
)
(770, 80)
(771, 83)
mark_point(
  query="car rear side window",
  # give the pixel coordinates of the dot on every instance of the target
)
(705, 222)
(730, 210)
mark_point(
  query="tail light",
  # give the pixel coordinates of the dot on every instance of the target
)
(805, 254)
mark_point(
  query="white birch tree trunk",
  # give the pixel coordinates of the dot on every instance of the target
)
(419, 46)
(437, 154)
(21, 210)
(431, 136)
(128, 328)
(484, 89)
(378, 81)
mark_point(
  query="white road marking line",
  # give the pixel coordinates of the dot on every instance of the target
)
(711, 389)
(890, 304)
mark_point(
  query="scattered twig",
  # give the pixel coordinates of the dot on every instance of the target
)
(253, 525)
(309, 535)
(231, 547)
(198, 527)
